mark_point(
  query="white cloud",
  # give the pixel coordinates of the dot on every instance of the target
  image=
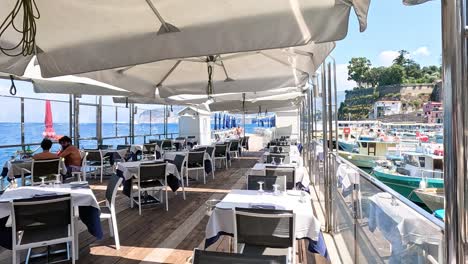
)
(421, 51)
(342, 78)
(386, 57)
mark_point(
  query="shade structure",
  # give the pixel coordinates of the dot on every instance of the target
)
(64, 84)
(256, 107)
(238, 72)
(139, 100)
(215, 121)
(83, 36)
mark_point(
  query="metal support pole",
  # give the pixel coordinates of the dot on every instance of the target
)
(132, 123)
(70, 116)
(454, 61)
(336, 104)
(151, 122)
(99, 121)
(325, 148)
(76, 121)
(116, 121)
(330, 175)
(22, 124)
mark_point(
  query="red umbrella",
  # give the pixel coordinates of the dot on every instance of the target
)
(49, 131)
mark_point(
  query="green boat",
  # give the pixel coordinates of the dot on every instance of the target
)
(407, 178)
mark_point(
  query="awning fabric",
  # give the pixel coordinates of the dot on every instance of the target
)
(239, 72)
(255, 107)
(87, 35)
(65, 84)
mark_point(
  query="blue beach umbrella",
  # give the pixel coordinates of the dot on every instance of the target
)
(215, 121)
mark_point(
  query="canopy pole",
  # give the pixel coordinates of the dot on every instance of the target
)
(99, 121)
(166, 26)
(454, 67)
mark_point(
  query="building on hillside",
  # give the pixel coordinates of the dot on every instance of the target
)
(385, 108)
(433, 112)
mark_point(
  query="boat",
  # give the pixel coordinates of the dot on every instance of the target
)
(433, 198)
(407, 177)
(368, 152)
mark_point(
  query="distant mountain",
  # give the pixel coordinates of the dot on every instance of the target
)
(157, 116)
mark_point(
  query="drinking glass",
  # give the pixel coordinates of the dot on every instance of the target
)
(57, 179)
(281, 160)
(276, 190)
(43, 181)
(260, 187)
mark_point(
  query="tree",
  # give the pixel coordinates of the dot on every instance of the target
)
(401, 58)
(358, 68)
(392, 75)
(373, 76)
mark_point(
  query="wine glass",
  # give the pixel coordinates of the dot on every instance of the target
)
(260, 187)
(273, 161)
(276, 189)
(43, 181)
(57, 179)
(281, 160)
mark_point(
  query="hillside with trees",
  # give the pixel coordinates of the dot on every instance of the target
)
(382, 83)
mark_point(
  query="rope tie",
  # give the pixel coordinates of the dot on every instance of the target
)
(12, 86)
(209, 87)
(27, 42)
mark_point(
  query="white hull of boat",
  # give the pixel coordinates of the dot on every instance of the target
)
(432, 197)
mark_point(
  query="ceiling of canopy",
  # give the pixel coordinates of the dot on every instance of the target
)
(87, 35)
(238, 72)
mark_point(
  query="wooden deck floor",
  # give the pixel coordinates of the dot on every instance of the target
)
(158, 236)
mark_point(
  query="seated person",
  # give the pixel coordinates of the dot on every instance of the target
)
(46, 145)
(71, 154)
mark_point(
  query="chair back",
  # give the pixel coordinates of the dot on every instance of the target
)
(277, 158)
(152, 173)
(112, 187)
(93, 155)
(149, 149)
(245, 142)
(45, 213)
(191, 137)
(200, 149)
(127, 147)
(264, 227)
(210, 151)
(220, 150)
(252, 182)
(152, 141)
(158, 142)
(104, 146)
(179, 161)
(45, 168)
(289, 172)
(214, 257)
(166, 144)
(196, 158)
(180, 138)
(234, 145)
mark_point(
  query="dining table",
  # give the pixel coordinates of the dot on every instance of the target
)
(82, 198)
(307, 226)
(302, 181)
(129, 171)
(13, 168)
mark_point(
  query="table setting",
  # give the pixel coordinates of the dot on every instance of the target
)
(307, 226)
(82, 197)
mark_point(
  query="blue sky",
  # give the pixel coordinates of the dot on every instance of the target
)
(391, 27)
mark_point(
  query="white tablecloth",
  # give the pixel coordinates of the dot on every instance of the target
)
(347, 176)
(121, 152)
(134, 148)
(259, 169)
(294, 155)
(130, 168)
(79, 196)
(400, 225)
(221, 219)
(14, 167)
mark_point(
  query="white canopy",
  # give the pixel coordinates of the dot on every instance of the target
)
(238, 72)
(139, 100)
(257, 106)
(87, 35)
(65, 84)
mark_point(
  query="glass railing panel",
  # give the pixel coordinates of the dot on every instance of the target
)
(388, 228)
